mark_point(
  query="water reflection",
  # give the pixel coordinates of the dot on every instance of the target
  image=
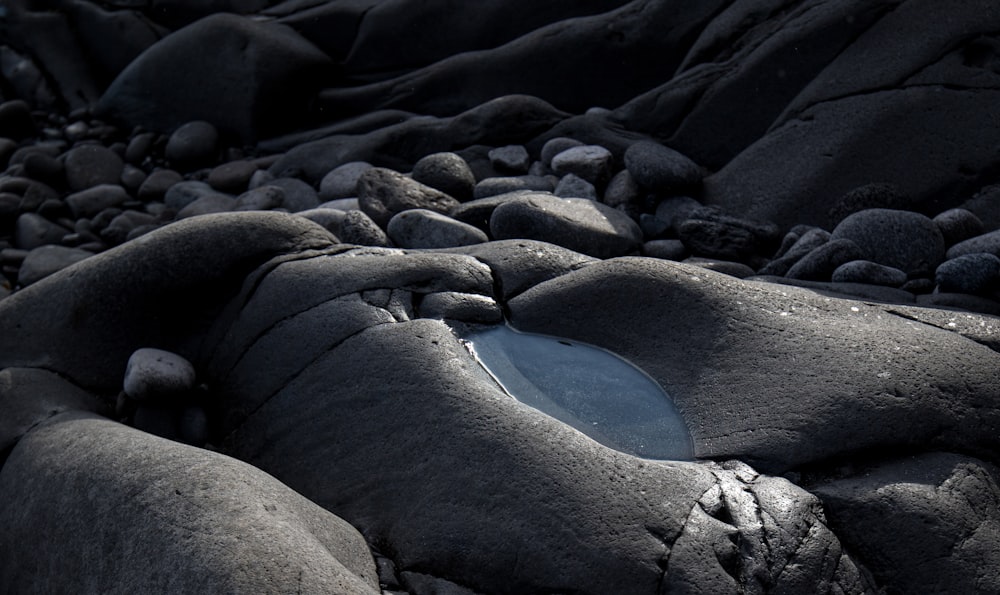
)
(588, 388)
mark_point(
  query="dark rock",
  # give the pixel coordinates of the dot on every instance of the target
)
(232, 177)
(271, 73)
(676, 210)
(800, 245)
(985, 205)
(157, 184)
(342, 181)
(382, 193)
(44, 168)
(186, 192)
(726, 267)
(866, 271)
(207, 204)
(119, 229)
(93, 200)
(358, 228)
(155, 374)
(32, 231)
(665, 249)
(958, 225)
(968, 273)
(140, 147)
(511, 159)
(820, 263)
(16, 122)
(467, 307)
(193, 144)
(623, 193)
(554, 146)
(960, 301)
(298, 195)
(717, 240)
(862, 198)
(661, 169)
(330, 219)
(477, 212)
(591, 162)
(45, 260)
(583, 225)
(275, 540)
(573, 186)
(447, 172)
(132, 179)
(988, 242)
(420, 228)
(507, 184)
(92, 165)
(904, 240)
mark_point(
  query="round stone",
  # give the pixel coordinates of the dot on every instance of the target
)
(447, 172)
(554, 146)
(193, 144)
(513, 159)
(661, 169)
(154, 373)
(969, 273)
(591, 162)
(420, 228)
(866, 271)
(342, 181)
(91, 165)
(905, 240)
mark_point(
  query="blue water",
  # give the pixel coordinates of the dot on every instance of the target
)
(591, 389)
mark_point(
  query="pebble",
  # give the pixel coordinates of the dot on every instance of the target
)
(803, 244)
(676, 210)
(156, 185)
(341, 204)
(118, 230)
(661, 169)
(140, 147)
(91, 165)
(581, 225)
(573, 186)
(447, 172)
(153, 374)
(358, 228)
(330, 219)
(478, 212)
(512, 159)
(969, 273)
(958, 225)
(591, 162)
(987, 242)
(820, 263)
(623, 193)
(507, 184)
(32, 230)
(15, 120)
(132, 179)
(232, 177)
(905, 240)
(554, 146)
(420, 228)
(46, 260)
(714, 239)
(382, 193)
(342, 181)
(866, 271)
(44, 168)
(299, 196)
(193, 144)
(92, 201)
(186, 192)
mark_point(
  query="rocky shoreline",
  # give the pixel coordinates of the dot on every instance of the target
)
(786, 213)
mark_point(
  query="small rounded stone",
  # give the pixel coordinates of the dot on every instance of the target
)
(154, 373)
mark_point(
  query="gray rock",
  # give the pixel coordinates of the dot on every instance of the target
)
(93, 200)
(726, 267)
(591, 162)
(908, 241)
(298, 195)
(799, 245)
(330, 219)
(382, 193)
(497, 186)
(511, 159)
(987, 242)
(358, 228)
(467, 307)
(183, 534)
(968, 273)
(554, 146)
(92, 165)
(676, 210)
(447, 172)
(210, 203)
(714, 235)
(661, 169)
(960, 301)
(46, 260)
(261, 198)
(582, 225)
(866, 271)
(573, 186)
(869, 196)
(119, 229)
(32, 231)
(820, 263)
(342, 181)
(420, 228)
(928, 523)
(623, 192)
(958, 225)
(155, 374)
(232, 177)
(341, 204)
(193, 144)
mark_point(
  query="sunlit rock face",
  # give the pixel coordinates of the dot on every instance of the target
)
(588, 388)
